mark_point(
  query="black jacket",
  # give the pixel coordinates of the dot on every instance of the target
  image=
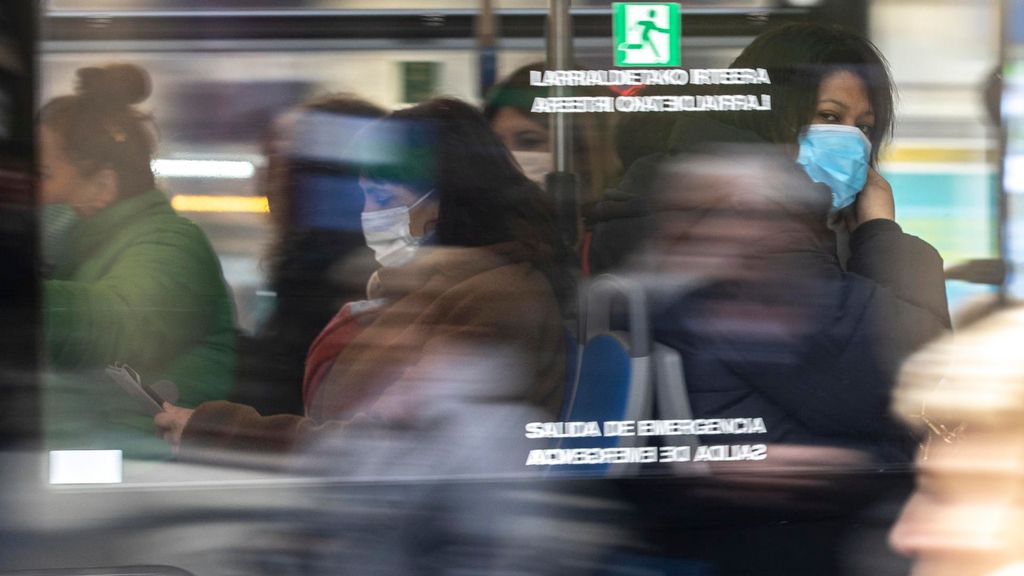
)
(780, 331)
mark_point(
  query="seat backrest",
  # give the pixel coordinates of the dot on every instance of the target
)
(573, 356)
(614, 377)
(607, 386)
(672, 402)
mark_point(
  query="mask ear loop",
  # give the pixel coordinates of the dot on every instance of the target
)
(430, 225)
(421, 199)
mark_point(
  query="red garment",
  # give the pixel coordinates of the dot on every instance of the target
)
(339, 332)
(376, 356)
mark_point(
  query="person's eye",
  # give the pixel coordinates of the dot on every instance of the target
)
(866, 129)
(530, 141)
(380, 198)
(829, 117)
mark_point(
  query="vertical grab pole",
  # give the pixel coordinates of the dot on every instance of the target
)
(486, 45)
(560, 58)
(1003, 250)
(562, 182)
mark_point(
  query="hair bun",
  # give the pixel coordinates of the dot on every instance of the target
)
(114, 84)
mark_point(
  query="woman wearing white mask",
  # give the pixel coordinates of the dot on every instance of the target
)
(318, 259)
(469, 262)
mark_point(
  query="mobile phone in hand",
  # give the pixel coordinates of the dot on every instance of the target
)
(132, 383)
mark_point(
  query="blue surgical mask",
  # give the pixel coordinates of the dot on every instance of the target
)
(837, 156)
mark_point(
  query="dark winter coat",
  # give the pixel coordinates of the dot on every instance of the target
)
(780, 330)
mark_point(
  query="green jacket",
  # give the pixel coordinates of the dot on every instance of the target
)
(142, 286)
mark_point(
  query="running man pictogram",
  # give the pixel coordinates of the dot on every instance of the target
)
(647, 34)
(648, 26)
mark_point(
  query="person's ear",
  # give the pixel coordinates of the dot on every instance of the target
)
(432, 211)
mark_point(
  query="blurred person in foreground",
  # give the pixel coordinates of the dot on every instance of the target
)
(467, 249)
(614, 223)
(418, 395)
(318, 260)
(138, 284)
(966, 394)
(786, 326)
(749, 285)
(773, 318)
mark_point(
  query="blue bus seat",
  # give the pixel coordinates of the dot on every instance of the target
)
(613, 380)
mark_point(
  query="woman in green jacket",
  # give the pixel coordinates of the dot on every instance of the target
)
(139, 284)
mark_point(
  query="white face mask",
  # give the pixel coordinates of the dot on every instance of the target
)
(387, 233)
(535, 165)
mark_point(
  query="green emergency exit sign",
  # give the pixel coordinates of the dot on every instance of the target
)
(647, 34)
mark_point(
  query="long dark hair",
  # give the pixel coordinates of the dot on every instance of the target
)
(100, 127)
(446, 145)
(286, 164)
(798, 58)
(301, 254)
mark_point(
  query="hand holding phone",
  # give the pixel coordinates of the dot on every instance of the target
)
(132, 383)
(171, 424)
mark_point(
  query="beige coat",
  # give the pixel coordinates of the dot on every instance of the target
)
(445, 310)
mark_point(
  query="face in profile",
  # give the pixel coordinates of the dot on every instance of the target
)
(966, 517)
(381, 195)
(519, 132)
(59, 178)
(62, 182)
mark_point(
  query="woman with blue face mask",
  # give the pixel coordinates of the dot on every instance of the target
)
(470, 273)
(775, 320)
(833, 108)
(814, 294)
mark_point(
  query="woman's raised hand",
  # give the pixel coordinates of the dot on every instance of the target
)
(875, 201)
